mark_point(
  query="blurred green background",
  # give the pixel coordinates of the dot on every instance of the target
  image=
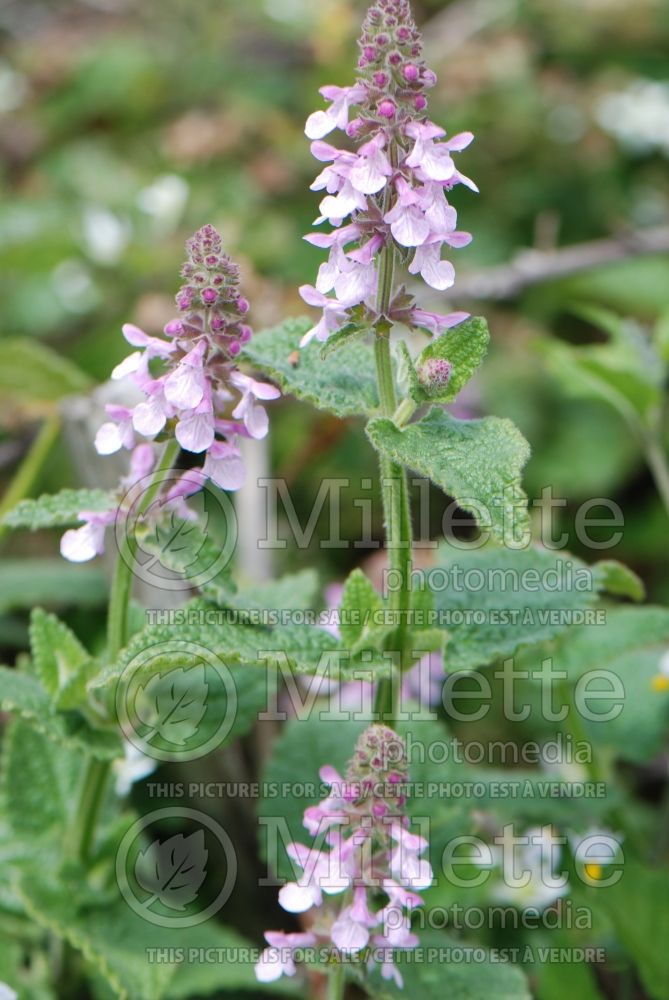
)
(127, 124)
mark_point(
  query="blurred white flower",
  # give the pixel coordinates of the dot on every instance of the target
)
(13, 88)
(530, 879)
(165, 200)
(134, 766)
(105, 234)
(7, 993)
(73, 286)
(638, 116)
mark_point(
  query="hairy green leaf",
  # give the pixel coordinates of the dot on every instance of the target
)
(627, 372)
(494, 601)
(464, 348)
(39, 785)
(638, 907)
(343, 383)
(359, 603)
(477, 462)
(57, 509)
(302, 649)
(630, 646)
(23, 695)
(433, 978)
(61, 662)
(343, 337)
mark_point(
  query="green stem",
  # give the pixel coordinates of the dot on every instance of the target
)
(90, 802)
(30, 468)
(336, 982)
(97, 772)
(121, 588)
(396, 505)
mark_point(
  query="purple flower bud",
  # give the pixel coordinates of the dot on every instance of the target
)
(245, 334)
(369, 53)
(173, 328)
(420, 102)
(382, 41)
(242, 305)
(403, 34)
(234, 348)
(380, 79)
(395, 59)
(435, 373)
(411, 72)
(429, 78)
(387, 109)
(209, 296)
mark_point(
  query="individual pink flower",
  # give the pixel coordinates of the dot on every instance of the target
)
(85, 543)
(224, 465)
(321, 123)
(254, 416)
(117, 433)
(277, 960)
(334, 314)
(185, 386)
(408, 223)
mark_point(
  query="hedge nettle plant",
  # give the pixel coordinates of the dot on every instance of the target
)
(386, 203)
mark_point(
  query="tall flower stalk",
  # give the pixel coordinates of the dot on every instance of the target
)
(194, 401)
(387, 204)
(359, 887)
